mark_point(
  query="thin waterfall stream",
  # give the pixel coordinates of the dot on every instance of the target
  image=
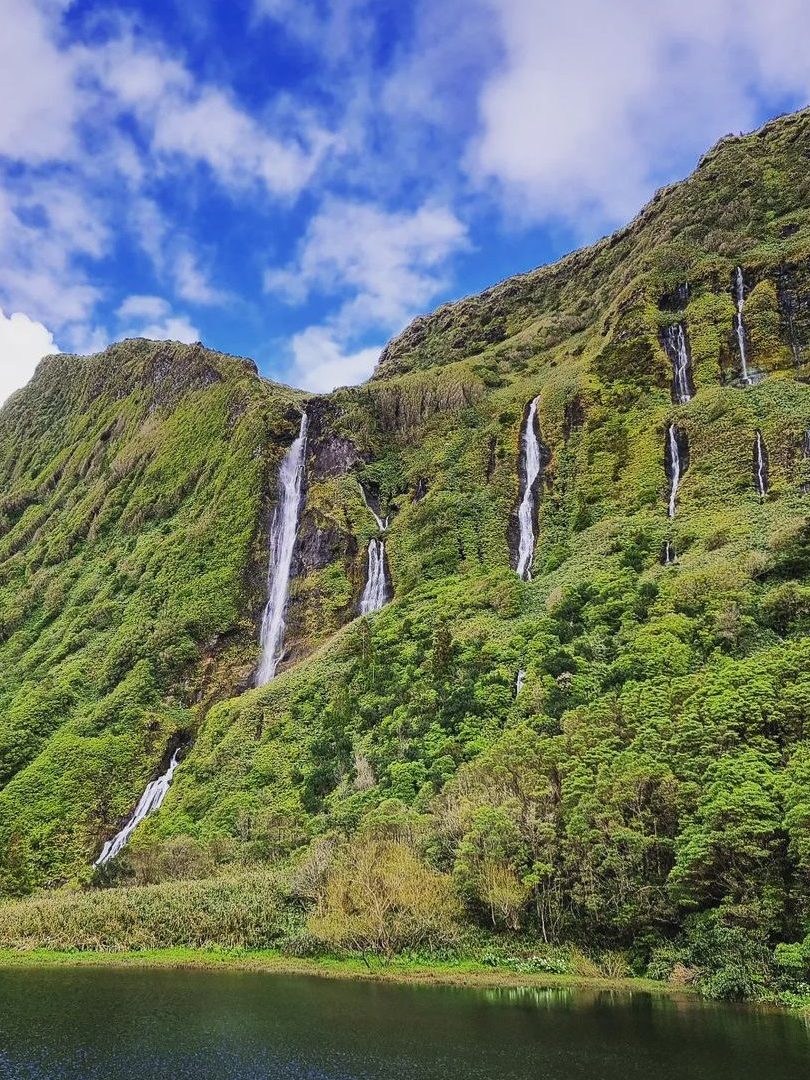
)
(282, 549)
(675, 341)
(530, 469)
(378, 590)
(739, 296)
(760, 466)
(674, 468)
(149, 802)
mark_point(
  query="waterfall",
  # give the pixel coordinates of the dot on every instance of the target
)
(150, 801)
(282, 547)
(760, 466)
(668, 556)
(675, 340)
(739, 293)
(673, 455)
(382, 523)
(377, 591)
(530, 459)
(519, 681)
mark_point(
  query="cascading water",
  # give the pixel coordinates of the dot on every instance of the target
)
(149, 802)
(376, 592)
(675, 467)
(669, 557)
(739, 294)
(760, 466)
(382, 523)
(282, 547)
(530, 459)
(519, 681)
(675, 340)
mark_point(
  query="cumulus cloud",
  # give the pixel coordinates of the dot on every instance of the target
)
(594, 104)
(23, 343)
(390, 262)
(152, 317)
(204, 123)
(38, 89)
(382, 265)
(320, 362)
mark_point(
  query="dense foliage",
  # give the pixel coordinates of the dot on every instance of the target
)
(647, 790)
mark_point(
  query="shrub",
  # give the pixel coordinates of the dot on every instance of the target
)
(380, 897)
(244, 911)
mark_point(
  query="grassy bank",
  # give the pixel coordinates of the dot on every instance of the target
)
(471, 973)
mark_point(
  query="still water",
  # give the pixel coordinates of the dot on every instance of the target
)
(79, 1024)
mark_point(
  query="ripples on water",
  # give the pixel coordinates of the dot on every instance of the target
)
(80, 1024)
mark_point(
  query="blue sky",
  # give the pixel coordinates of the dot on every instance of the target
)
(293, 180)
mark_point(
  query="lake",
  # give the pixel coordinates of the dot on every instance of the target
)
(123, 1024)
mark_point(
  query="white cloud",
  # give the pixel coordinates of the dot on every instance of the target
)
(192, 283)
(172, 255)
(594, 104)
(143, 307)
(44, 228)
(152, 317)
(40, 99)
(23, 343)
(203, 123)
(389, 262)
(383, 265)
(173, 328)
(336, 30)
(321, 362)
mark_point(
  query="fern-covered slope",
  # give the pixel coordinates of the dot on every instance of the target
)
(653, 768)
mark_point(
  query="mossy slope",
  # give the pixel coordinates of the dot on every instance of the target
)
(654, 767)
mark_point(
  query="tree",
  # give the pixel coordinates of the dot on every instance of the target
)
(380, 897)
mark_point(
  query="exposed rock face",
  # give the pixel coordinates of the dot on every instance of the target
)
(317, 548)
(793, 290)
(677, 299)
(574, 416)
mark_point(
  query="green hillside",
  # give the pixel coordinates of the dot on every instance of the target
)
(647, 791)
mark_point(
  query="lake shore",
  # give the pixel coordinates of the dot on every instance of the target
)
(462, 973)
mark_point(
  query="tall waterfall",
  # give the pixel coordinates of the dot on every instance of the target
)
(760, 466)
(675, 467)
(519, 681)
(668, 556)
(530, 460)
(675, 340)
(282, 547)
(377, 592)
(151, 800)
(739, 294)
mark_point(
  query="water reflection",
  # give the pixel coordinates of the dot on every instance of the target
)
(86, 1024)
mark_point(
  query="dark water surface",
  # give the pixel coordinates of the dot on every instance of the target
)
(82, 1024)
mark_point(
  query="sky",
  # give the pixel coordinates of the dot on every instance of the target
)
(294, 180)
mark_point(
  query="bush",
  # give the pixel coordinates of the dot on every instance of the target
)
(380, 897)
(231, 912)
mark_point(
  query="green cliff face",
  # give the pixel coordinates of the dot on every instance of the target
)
(654, 766)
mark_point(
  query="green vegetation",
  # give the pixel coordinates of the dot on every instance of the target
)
(642, 805)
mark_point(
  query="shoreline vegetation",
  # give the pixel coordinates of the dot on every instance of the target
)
(468, 974)
(461, 973)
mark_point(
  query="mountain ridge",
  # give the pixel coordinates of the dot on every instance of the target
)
(612, 752)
